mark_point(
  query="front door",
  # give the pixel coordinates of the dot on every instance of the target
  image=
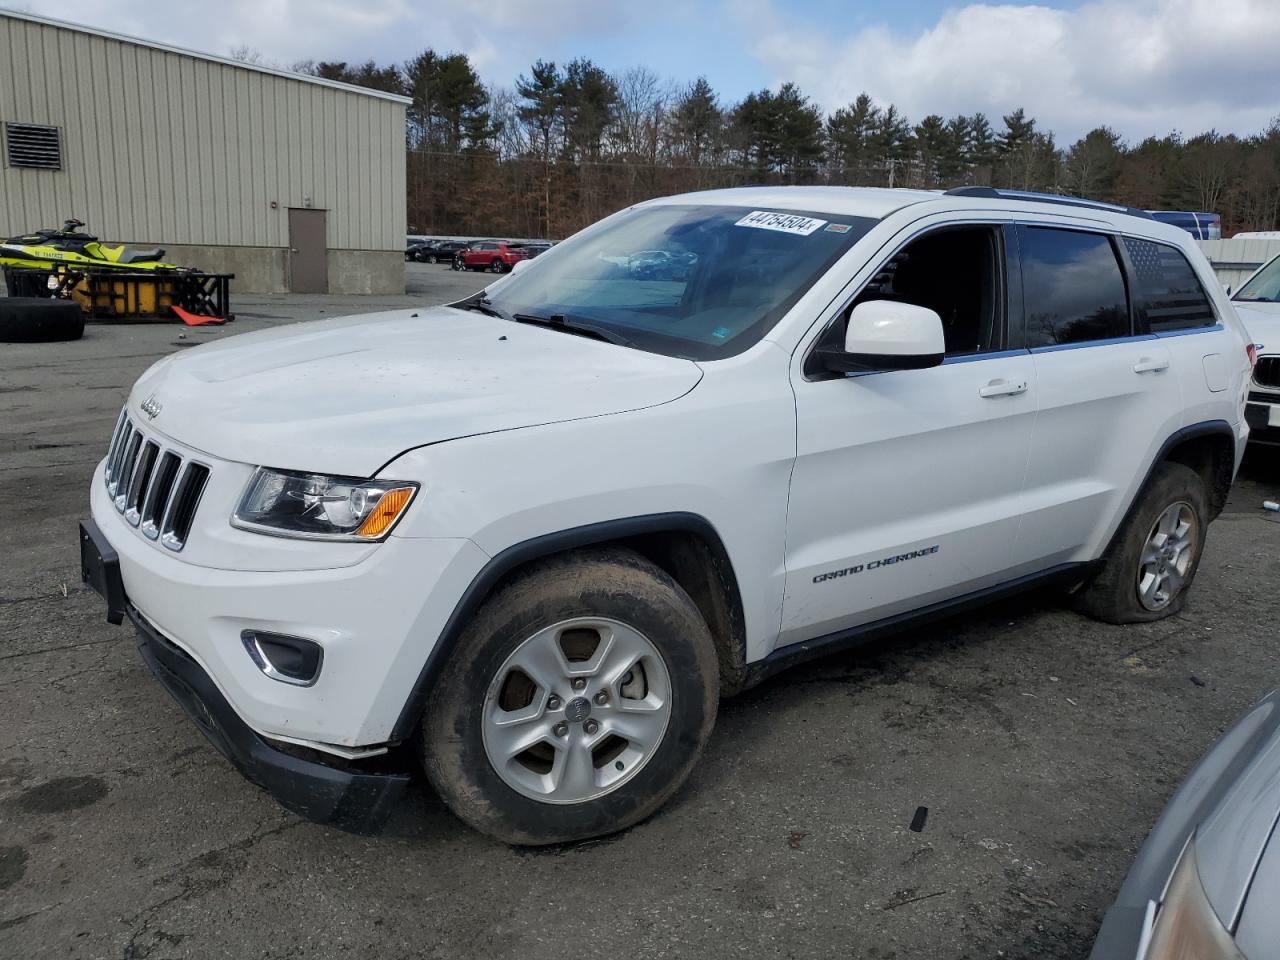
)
(308, 251)
(907, 484)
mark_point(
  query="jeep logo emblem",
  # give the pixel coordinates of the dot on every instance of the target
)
(151, 407)
(577, 709)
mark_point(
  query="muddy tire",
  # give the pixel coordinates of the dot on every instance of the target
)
(37, 320)
(575, 703)
(1147, 571)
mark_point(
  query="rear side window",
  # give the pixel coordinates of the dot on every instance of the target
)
(1073, 290)
(1167, 292)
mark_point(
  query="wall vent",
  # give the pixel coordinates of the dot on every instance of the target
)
(33, 145)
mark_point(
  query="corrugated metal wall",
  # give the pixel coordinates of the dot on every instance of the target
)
(160, 147)
(1234, 260)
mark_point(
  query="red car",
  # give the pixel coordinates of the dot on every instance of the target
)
(496, 256)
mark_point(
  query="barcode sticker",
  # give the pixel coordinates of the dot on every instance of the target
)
(782, 222)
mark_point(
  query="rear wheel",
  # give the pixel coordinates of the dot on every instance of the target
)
(1149, 567)
(576, 702)
(432, 258)
(495, 266)
(457, 263)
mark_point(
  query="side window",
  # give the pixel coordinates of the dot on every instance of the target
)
(1168, 293)
(1072, 287)
(956, 272)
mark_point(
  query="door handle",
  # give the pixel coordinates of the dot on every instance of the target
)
(1003, 388)
(1147, 365)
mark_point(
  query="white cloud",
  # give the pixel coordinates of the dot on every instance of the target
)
(1140, 66)
(502, 37)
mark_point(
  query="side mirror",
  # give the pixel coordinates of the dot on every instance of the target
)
(519, 265)
(887, 335)
(1228, 289)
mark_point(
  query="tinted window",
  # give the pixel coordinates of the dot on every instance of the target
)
(1073, 289)
(688, 280)
(1168, 294)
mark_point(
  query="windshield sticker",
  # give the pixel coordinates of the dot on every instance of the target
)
(839, 227)
(721, 332)
(782, 222)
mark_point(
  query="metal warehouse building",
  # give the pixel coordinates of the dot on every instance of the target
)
(290, 182)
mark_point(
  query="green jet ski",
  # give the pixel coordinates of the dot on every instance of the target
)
(68, 247)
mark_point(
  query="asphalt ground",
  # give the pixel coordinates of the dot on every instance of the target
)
(1042, 745)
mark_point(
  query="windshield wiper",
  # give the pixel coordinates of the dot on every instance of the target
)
(558, 321)
(481, 304)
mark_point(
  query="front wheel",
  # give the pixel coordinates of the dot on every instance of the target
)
(457, 263)
(576, 702)
(433, 259)
(1147, 571)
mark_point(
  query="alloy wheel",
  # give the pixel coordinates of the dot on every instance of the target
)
(1167, 556)
(576, 710)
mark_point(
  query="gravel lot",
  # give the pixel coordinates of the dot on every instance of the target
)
(1043, 745)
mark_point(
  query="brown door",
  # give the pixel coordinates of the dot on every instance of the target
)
(308, 256)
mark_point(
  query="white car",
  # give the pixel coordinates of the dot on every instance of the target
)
(1258, 304)
(536, 535)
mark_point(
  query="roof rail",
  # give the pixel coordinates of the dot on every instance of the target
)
(991, 193)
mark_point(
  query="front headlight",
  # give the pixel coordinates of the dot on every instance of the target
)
(315, 507)
(1186, 926)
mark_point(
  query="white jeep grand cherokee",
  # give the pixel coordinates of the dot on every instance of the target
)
(534, 536)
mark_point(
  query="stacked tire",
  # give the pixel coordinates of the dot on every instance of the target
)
(38, 320)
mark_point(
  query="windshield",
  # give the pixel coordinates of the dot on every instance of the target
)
(702, 282)
(1264, 286)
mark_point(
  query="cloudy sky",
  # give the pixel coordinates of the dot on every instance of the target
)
(1140, 66)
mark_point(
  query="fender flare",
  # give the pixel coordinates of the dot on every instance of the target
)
(1206, 428)
(536, 548)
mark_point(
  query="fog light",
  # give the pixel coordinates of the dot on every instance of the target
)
(288, 659)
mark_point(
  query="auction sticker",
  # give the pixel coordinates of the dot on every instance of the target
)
(782, 222)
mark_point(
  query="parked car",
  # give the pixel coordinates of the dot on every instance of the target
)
(537, 247)
(413, 248)
(1206, 883)
(1258, 304)
(442, 251)
(548, 527)
(496, 256)
(1202, 226)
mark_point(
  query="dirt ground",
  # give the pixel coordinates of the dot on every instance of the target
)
(1042, 744)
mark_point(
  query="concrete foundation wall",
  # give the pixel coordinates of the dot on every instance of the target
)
(266, 269)
(366, 271)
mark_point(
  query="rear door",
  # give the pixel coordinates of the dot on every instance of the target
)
(1172, 305)
(906, 487)
(1109, 393)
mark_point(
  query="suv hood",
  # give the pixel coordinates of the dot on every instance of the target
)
(344, 396)
(1262, 321)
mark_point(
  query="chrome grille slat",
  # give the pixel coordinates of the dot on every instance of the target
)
(116, 435)
(117, 458)
(157, 489)
(141, 478)
(161, 487)
(127, 465)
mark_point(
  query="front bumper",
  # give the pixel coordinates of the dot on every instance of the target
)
(377, 620)
(355, 801)
(1262, 413)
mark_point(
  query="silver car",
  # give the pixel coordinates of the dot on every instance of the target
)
(1206, 884)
